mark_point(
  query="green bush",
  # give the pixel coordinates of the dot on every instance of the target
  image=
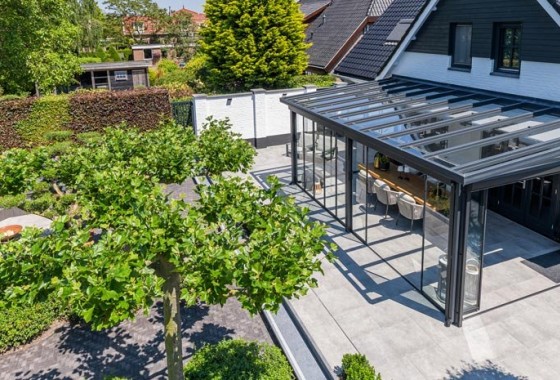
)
(314, 79)
(114, 54)
(19, 324)
(84, 60)
(9, 201)
(59, 148)
(19, 170)
(58, 135)
(357, 367)
(238, 359)
(48, 114)
(5, 98)
(89, 138)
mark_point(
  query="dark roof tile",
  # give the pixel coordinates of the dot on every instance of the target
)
(329, 32)
(371, 53)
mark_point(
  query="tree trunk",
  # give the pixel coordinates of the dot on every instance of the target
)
(172, 319)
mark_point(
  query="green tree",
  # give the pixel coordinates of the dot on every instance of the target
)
(90, 20)
(236, 241)
(37, 45)
(253, 43)
(132, 13)
(181, 32)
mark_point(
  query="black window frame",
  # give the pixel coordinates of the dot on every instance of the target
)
(452, 45)
(499, 46)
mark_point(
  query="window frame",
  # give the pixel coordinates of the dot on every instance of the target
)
(499, 46)
(453, 45)
(138, 27)
(119, 76)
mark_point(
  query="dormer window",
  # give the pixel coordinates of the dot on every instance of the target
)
(460, 48)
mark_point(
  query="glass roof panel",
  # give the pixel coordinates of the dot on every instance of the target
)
(447, 131)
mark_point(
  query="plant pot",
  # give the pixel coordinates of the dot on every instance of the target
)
(10, 232)
(384, 166)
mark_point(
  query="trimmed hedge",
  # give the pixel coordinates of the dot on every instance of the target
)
(20, 324)
(239, 359)
(28, 122)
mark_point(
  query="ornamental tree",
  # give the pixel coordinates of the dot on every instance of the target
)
(126, 242)
(253, 43)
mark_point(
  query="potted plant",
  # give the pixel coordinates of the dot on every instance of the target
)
(381, 162)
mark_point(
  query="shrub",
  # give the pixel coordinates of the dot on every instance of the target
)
(59, 148)
(178, 91)
(19, 324)
(58, 135)
(48, 114)
(89, 138)
(143, 109)
(83, 60)
(19, 170)
(357, 367)
(9, 201)
(114, 54)
(238, 359)
(5, 98)
(314, 79)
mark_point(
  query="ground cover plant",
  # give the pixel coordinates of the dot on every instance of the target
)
(122, 242)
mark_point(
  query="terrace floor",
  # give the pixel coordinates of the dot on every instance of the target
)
(364, 305)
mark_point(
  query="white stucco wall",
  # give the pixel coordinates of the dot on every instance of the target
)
(537, 79)
(257, 115)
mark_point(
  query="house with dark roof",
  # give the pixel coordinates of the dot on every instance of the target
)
(311, 9)
(456, 132)
(337, 28)
(370, 55)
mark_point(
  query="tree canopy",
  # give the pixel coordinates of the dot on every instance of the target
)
(37, 44)
(253, 43)
(124, 241)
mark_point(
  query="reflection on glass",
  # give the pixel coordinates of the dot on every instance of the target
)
(436, 239)
(475, 249)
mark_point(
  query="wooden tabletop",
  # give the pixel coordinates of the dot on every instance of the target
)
(410, 184)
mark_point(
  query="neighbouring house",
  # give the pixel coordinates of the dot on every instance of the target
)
(114, 75)
(335, 28)
(454, 145)
(370, 55)
(311, 9)
(147, 31)
(152, 53)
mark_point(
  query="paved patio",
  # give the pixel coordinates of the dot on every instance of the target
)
(363, 305)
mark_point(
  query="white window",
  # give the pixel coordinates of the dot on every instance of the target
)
(121, 75)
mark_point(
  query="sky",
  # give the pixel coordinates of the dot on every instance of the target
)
(195, 5)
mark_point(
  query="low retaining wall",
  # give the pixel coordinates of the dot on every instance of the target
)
(257, 115)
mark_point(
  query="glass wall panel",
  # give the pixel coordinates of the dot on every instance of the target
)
(475, 248)
(359, 193)
(341, 178)
(331, 169)
(389, 200)
(436, 239)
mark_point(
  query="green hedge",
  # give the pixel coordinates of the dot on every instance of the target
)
(238, 359)
(22, 323)
(36, 121)
(357, 367)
